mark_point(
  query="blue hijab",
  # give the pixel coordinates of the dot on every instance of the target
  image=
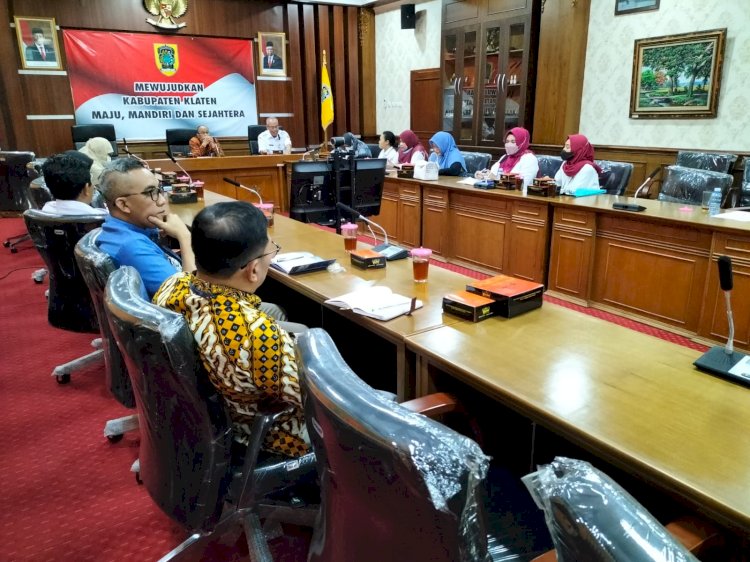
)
(449, 152)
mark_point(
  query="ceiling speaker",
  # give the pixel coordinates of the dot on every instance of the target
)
(408, 16)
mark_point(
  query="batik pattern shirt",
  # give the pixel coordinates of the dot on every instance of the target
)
(249, 358)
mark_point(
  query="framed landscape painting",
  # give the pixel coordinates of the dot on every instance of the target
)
(633, 6)
(677, 76)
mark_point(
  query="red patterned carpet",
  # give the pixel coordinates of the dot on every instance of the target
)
(68, 493)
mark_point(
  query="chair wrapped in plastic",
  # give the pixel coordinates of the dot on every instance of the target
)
(96, 267)
(395, 485)
(591, 517)
(716, 162)
(476, 161)
(745, 196)
(548, 165)
(14, 181)
(686, 185)
(186, 460)
(615, 176)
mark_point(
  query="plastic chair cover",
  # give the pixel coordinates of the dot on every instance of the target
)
(39, 193)
(96, 267)
(69, 304)
(476, 161)
(686, 185)
(706, 161)
(615, 176)
(14, 180)
(591, 517)
(395, 485)
(548, 165)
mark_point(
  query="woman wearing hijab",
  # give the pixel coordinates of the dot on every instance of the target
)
(98, 150)
(445, 152)
(579, 168)
(410, 149)
(387, 145)
(518, 157)
(358, 148)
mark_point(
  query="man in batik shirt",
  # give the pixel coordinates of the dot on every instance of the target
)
(248, 356)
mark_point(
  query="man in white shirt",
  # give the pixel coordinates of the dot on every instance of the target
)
(274, 139)
(68, 177)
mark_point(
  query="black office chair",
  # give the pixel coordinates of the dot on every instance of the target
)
(82, 133)
(716, 162)
(178, 142)
(686, 185)
(186, 460)
(252, 137)
(374, 149)
(96, 266)
(548, 165)
(69, 304)
(418, 485)
(615, 176)
(476, 161)
(590, 517)
(15, 178)
(745, 194)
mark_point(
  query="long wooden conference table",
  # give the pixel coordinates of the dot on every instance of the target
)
(633, 400)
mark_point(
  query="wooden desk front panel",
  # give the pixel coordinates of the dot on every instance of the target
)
(572, 251)
(714, 318)
(479, 230)
(410, 214)
(529, 241)
(388, 217)
(656, 271)
(435, 219)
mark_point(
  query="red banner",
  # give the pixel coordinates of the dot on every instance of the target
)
(144, 83)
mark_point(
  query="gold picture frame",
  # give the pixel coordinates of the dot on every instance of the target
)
(275, 64)
(635, 6)
(677, 76)
(38, 46)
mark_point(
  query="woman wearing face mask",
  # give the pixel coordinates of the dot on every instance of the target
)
(386, 143)
(579, 168)
(518, 158)
(410, 149)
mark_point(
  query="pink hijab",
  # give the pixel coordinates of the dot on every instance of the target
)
(523, 140)
(583, 153)
(413, 145)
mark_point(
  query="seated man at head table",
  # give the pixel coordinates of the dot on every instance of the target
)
(203, 144)
(68, 177)
(274, 139)
(248, 355)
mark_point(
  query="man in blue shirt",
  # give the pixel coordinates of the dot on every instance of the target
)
(138, 212)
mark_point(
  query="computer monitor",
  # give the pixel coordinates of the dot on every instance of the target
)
(313, 197)
(367, 185)
(14, 180)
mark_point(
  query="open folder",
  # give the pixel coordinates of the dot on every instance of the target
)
(376, 302)
(294, 263)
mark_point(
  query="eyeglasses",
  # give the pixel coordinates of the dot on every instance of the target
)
(273, 253)
(153, 192)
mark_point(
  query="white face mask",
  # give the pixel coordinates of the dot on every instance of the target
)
(511, 148)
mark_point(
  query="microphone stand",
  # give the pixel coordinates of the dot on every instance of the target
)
(645, 185)
(127, 151)
(250, 189)
(184, 171)
(390, 251)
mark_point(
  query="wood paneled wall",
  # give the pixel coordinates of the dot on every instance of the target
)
(310, 29)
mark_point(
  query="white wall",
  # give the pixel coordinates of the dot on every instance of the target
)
(609, 62)
(398, 52)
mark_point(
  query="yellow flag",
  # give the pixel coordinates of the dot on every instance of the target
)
(326, 97)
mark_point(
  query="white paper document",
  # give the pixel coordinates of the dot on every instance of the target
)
(742, 216)
(742, 368)
(376, 302)
(468, 181)
(299, 262)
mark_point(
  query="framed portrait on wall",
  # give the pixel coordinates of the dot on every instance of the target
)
(272, 53)
(634, 6)
(37, 43)
(677, 76)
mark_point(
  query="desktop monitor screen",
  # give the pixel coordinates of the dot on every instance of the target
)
(14, 177)
(367, 185)
(313, 197)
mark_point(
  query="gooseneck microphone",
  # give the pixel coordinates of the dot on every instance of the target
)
(135, 156)
(250, 189)
(390, 251)
(727, 284)
(725, 362)
(184, 171)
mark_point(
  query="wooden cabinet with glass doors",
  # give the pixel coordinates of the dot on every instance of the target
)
(485, 76)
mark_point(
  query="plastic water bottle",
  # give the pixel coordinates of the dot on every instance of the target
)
(714, 203)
